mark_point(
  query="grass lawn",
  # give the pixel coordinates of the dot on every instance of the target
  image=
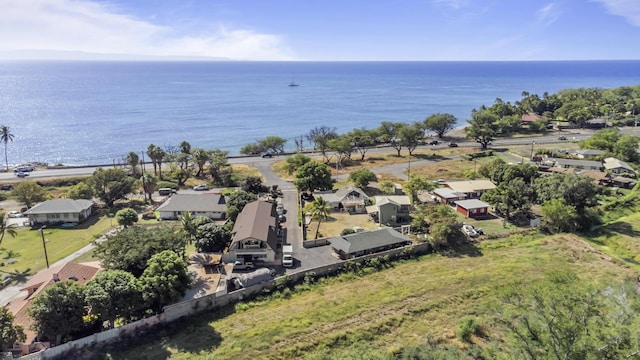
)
(61, 242)
(338, 222)
(455, 169)
(619, 239)
(391, 309)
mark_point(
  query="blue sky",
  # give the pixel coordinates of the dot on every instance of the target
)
(328, 29)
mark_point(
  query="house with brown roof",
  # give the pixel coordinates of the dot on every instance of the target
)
(213, 206)
(526, 119)
(80, 273)
(472, 189)
(254, 237)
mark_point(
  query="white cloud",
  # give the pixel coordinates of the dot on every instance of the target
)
(81, 25)
(454, 4)
(547, 14)
(628, 9)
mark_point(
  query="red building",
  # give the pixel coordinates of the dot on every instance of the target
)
(473, 208)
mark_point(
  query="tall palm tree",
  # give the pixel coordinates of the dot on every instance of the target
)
(4, 229)
(132, 159)
(6, 136)
(319, 210)
(149, 184)
(189, 227)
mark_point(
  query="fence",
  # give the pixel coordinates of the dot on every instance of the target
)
(208, 302)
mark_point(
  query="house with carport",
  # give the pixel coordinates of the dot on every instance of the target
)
(348, 198)
(213, 206)
(60, 211)
(618, 167)
(369, 242)
(254, 237)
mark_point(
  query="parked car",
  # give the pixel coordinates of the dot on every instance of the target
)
(434, 142)
(23, 169)
(562, 138)
(14, 214)
(267, 155)
(280, 209)
(201, 187)
(453, 145)
(469, 230)
(282, 218)
(240, 264)
(22, 174)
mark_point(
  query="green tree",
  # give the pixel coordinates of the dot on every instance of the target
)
(149, 184)
(188, 227)
(6, 136)
(4, 229)
(440, 123)
(559, 216)
(58, 311)
(362, 140)
(218, 165)
(319, 136)
(127, 217)
(111, 184)
(272, 143)
(81, 190)
(343, 147)
(237, 200)
(254, 185)
(131, 248)
(577, 191)
(390, 133)
(313, 176)
(211, 237)
(181, 175)
(510, 196)
(164, 280)
(9, 333)
(293, 163)
(604, 139)
(319, 210)
(362, 177)
(113, 294)
(482, 127)
(415, 184)
(157, 156)
(185, 147)
(409, 136)
(201, 157)
(251, 149)
(29, 192)
(626, 148)
(132, 159)
(387, 187)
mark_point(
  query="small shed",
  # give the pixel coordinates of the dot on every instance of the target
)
(473, 208)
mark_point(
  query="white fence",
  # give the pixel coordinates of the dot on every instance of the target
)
(176, 311)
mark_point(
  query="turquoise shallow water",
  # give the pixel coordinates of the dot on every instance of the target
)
(96, 112)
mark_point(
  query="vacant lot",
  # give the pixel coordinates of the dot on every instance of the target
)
(338, 222)
(391, 309)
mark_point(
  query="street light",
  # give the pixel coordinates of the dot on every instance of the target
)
(44, 245)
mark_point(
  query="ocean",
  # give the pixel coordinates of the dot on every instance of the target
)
(91, 113)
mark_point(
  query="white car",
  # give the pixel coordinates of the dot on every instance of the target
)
(22, 174)
(469, 230)
(14, 214)
(201, 187)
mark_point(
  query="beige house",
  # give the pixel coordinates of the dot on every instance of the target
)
(348, 198)
(472, 189)
(212, 206)
(618, 167)
(59, 211)
(255, 233)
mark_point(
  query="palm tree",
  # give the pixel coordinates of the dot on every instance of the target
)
(188, 226)
(133, 160)
(5, 137)
(319, 210)
(149, 184)
(4, 229)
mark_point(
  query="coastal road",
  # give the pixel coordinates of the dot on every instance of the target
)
(262, 164)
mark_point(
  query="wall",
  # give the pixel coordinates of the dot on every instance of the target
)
(190, 307)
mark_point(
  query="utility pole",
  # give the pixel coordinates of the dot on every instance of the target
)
(44, 245)
(409, 171)
(532, 143)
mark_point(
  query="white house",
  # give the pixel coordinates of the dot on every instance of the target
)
(212, 206)
(617, 167)
(60, 210)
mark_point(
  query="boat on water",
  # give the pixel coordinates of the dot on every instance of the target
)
(293, 84)
(293, 80)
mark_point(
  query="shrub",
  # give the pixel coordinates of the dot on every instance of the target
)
(167, 184)
(347, 231)
(466, 327)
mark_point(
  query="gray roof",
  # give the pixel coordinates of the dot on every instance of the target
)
(257, 220)
(60, 206)
(472, 204)
(368, 240)
(583, 163)
(341, 194)
(593, 152)
(194, 202)
(447, 193)
(613, 163)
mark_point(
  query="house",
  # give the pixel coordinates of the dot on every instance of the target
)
(526, 119)
(618, 167)
(596, 123)
(578, 164)
(348, 198)
(623, 182)
(60, 210)
(212, 206)
(472, 189)
(390, 209)
(255, 234)
(599, 177)
(472, 208)
(80, 273)
(448, 196)
(369, 242)
(587, 153)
